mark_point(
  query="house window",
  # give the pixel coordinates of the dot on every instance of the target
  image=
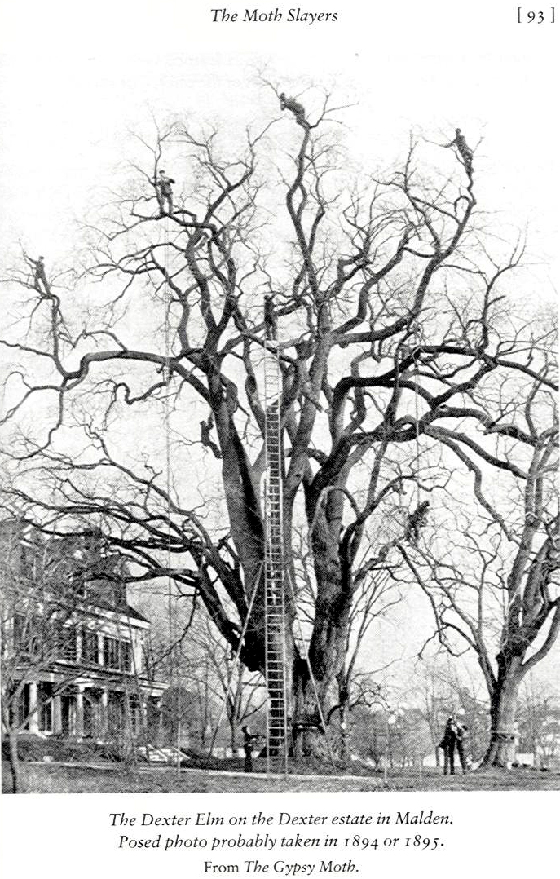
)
(116, 713)
(20, 634)
(28, 562)
(29, 635)
(44, 707)
(90, 647)
(126, 656)
(78, 589)
(111, 652)
(68, 648)
(22, 709)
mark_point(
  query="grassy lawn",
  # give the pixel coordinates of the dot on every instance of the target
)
(55, 778)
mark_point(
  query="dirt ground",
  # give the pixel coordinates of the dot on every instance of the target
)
(66, 778)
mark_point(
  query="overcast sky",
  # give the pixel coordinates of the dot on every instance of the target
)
(73, 86)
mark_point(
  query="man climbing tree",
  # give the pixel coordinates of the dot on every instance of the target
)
(270, 323)
(416, 521)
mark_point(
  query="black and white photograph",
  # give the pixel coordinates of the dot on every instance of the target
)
(278, 431)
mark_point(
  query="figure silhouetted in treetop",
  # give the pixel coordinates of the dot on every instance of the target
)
(296, 108)
(270, 322)
(164, 192)
(416, 521)
(40, 273)
(463, 149)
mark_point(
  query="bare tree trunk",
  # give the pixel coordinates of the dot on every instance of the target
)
(328, 647)
(15, 765)
(312, 702)
(501, 750)
(344, 735)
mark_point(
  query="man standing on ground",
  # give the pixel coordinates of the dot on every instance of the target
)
(248, 740)
(448, 744)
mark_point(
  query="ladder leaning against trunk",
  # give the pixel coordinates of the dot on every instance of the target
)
(277, 744)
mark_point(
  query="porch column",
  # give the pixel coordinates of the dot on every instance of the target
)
(33, 719)
(79, 711)
(56, 715)
(160, 738)
(79, 644)
(104, 712)
(144, 717)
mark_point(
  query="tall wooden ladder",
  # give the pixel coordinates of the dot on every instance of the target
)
(275, 659)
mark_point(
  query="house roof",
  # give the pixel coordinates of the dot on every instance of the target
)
(122, 608)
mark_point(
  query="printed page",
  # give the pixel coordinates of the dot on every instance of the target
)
(278, 437)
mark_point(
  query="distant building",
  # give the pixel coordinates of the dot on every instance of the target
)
(73, 657)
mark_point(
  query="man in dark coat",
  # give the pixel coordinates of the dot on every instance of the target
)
(416, 521)
(248, 742)
(40, 272)
(448, 744)
(164, 192)
(463, 149)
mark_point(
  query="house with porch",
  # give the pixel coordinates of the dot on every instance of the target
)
(73, 648)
